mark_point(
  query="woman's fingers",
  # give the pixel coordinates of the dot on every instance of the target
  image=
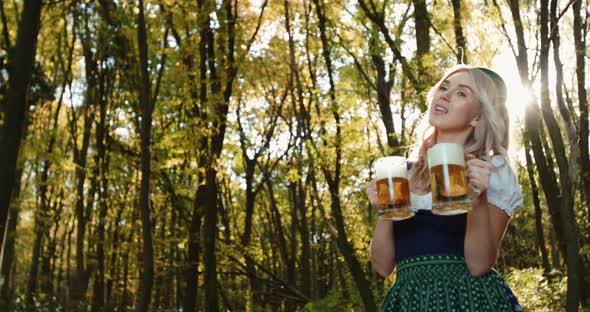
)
(478, 172)
(371, 192)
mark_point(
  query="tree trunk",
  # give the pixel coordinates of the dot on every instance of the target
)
(82, 274)
(378, 18)
(169, 288)
(102, 164)
(113, 278)
(219, 106)
(247, 236)
(42, 218)
(80, 284)
(210, 226)
(59, 279)
(16, 103)
(569, 169)
(568, 225)
(422, 23)
(34, 271)
(192, 270)
(459, 37)
(147, 275)
(333, 178)
(276, 218)
(538, 212)
(580, 45)
(555, 257)
(384, 86)
(9, 242)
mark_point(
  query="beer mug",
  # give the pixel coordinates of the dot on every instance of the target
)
(448, 182)
(393, 190)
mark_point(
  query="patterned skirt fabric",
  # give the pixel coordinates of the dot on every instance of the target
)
(443, 283)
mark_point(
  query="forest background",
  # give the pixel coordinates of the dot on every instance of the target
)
(165, 155)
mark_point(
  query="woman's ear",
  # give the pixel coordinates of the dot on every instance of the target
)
(474, 121)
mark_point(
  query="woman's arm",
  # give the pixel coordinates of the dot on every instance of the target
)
(486, 225)
(382, 248)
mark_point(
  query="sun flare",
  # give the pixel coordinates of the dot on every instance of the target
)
(518, 96)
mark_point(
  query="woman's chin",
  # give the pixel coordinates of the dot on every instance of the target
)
(436, 121)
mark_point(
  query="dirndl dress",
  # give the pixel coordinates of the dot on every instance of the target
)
(443, 283)
(431, 273)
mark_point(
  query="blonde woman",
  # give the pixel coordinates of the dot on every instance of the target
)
(444, 263)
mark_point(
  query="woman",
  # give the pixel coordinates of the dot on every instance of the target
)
(444, 263)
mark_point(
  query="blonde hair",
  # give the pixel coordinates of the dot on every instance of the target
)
(490, 135)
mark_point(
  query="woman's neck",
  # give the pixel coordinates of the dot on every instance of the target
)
(453, 136)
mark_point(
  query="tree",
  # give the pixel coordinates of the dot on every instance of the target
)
(147, 108)
(17, 104)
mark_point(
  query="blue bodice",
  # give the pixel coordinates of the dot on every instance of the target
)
(428, 234)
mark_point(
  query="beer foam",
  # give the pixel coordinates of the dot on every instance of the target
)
(446, 154)
(391, 166)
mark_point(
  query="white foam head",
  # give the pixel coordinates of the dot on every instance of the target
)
(391, 166)
(447, 154)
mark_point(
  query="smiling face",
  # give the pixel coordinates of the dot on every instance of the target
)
(454, 106)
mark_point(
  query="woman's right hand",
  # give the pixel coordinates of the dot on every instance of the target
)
(371, 192)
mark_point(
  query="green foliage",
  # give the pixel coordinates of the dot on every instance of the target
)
(535, 292)
(334, 301)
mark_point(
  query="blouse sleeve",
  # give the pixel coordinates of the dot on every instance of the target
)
(503, 189)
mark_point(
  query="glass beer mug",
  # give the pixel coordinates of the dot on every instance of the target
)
(448, 182)
(393, 189)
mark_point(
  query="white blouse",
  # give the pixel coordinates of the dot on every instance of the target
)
(503, 189)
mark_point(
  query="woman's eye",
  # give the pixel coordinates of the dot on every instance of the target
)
(443, 88)
(462, 94)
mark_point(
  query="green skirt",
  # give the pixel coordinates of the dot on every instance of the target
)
(443, 283)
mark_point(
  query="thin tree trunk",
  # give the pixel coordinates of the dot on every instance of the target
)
(42, 215)
(384, 86)
(114, 267)
(422, 23)
(333, 179)
(304, 232)
(289, 270)
(568, 226)
(534, 127)
(82, 274)
(219, 104)
(459, 37)
(9, 242)
(580, 45)
(378, 18)
(69, 270)
(538, 212)
(569, 169)
(191, 272)
(555, 257)
(101, 163)
(59, 279)
(147, 275)
(169, 289)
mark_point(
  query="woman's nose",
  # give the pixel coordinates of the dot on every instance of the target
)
(444, 96)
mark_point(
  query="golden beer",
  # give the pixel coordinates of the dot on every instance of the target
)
(448, 182)
(393, 191)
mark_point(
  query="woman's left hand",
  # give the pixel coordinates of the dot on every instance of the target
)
(478, 171)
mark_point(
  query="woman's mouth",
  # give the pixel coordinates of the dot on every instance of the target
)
(440, 109)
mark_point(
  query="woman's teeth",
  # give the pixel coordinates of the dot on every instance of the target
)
(440, 109)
